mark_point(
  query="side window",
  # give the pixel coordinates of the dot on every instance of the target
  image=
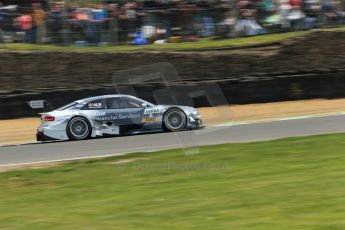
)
(113, 103)
(95, 105)
(127, 102)
(123, 103)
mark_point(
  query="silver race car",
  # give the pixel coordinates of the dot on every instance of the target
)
(112, 115)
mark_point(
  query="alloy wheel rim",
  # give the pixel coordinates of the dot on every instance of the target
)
(175, 120)
(79, 128)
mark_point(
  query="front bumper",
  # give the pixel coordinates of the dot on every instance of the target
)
(41, 137)
(195, 123)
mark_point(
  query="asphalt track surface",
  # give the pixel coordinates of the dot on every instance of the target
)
(63, 151)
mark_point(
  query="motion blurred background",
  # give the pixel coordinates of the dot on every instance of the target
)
(141, 22)
(255, 51)
(237, 61)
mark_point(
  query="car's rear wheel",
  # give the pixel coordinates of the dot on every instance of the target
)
(175, 120)
(78, 128)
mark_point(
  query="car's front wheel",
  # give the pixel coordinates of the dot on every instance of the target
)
(78, 128)
(175, 120)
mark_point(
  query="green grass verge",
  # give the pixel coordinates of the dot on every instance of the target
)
(295, 183)
(187, 46)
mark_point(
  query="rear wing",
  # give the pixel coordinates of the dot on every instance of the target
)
(39, 104)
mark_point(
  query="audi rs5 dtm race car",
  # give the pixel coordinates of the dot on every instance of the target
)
(113, 115)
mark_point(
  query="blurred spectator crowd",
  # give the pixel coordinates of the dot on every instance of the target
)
(159, 21)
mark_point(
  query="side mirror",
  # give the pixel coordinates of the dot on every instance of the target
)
(38, 104)
(144, 105)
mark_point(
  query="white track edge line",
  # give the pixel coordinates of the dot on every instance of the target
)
(232, 123)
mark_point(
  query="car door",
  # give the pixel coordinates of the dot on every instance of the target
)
(125, 110)
(95, 110)
(101, 117)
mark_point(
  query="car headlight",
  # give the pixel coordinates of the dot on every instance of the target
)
(195, 114)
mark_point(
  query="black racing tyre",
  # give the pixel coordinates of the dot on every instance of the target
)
(78, 128)
(174, 120)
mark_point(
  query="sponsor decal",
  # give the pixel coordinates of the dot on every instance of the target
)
(151, 111)
(100, 114)
(150, 119)
(117, 117)
(95, 105)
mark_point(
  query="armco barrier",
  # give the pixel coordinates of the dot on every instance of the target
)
(250, 89)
